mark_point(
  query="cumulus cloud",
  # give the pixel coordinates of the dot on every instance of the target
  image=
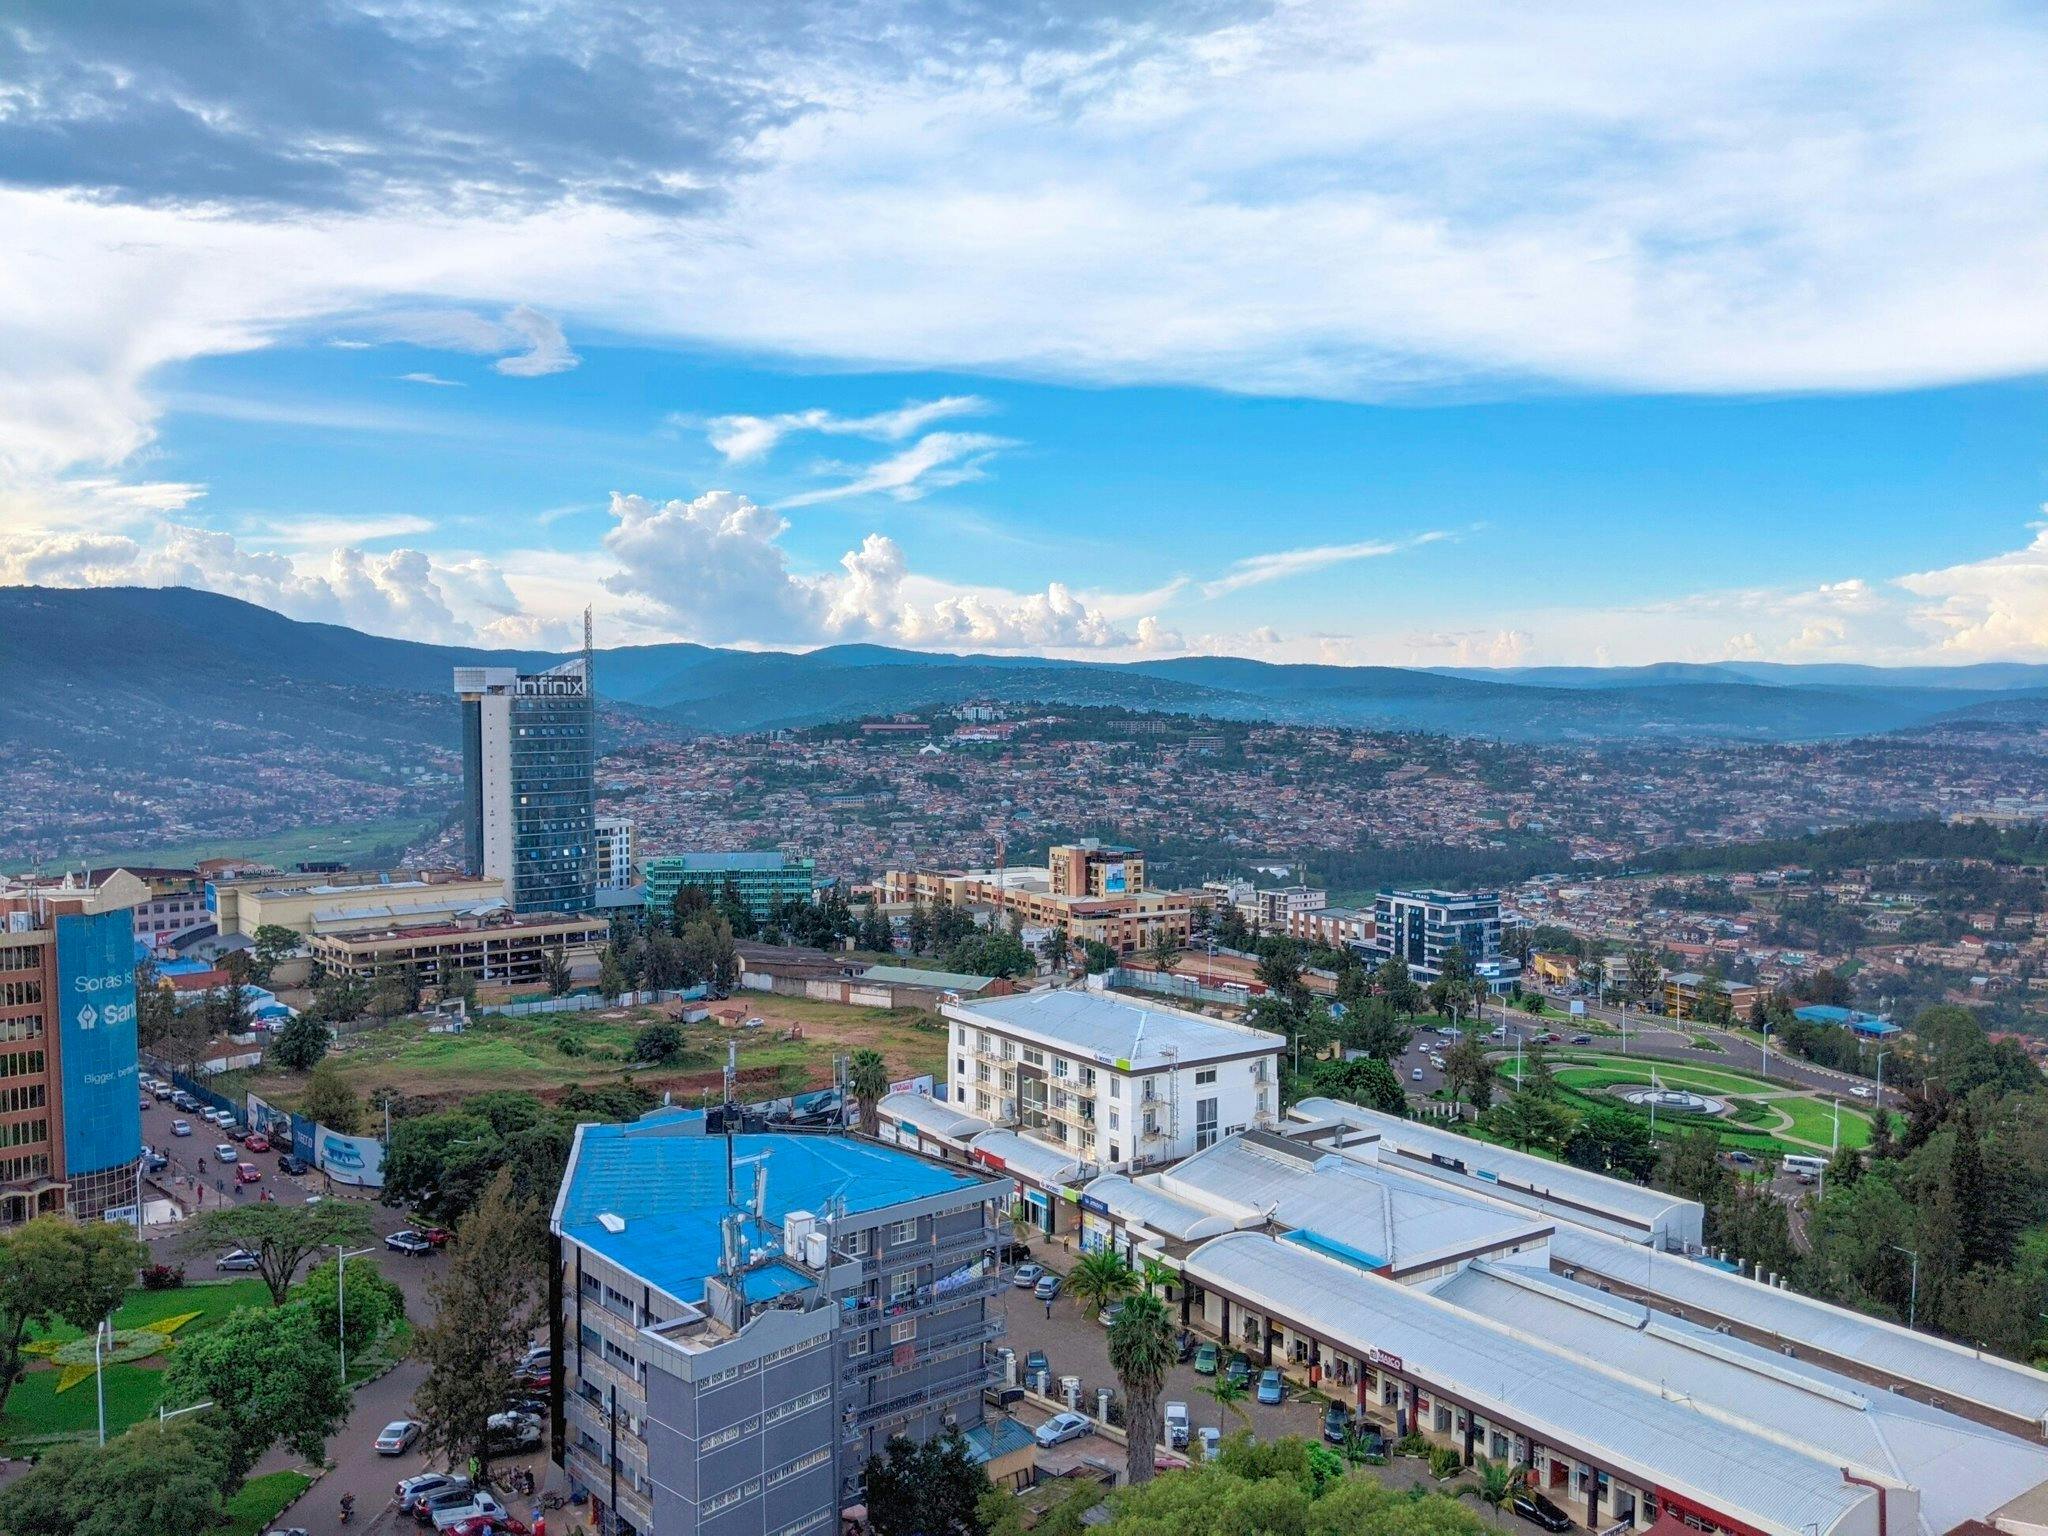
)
(744, 438)
(715, 569)
(1989, 608)
(1470, 647)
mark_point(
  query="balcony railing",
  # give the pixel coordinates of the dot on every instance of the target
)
(867, 1313)
(953, 1245)
(858, 1419)
(928, 1352)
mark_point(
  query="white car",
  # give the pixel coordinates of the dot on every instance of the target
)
(225, 1152)
(481, 1503)
(181, 1127)
(1062, 1427)
(1861, 1091)
(1212, 1441)
(397, 1437)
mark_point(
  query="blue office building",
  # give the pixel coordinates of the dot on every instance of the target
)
(740, 1324)
(529, 783)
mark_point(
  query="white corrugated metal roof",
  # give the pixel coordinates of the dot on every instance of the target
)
(1659, 1440)
(1108, 1029)
(1144, 1203)
(1947, 1369)
(1377, 1214)
(1963, 1470)
(928, 1114)
(1042, 1164)
(1515, 1176)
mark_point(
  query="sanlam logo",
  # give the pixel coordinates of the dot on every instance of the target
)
(112, 1015)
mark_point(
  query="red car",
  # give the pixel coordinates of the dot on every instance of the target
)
(244, 1174)
(438, 1236)
(488, 1525)
(257, 1142)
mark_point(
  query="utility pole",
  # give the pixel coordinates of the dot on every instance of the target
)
(1912, 1300)
(341, 1258)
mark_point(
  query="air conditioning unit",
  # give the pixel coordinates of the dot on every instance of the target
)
(817, 1252)
(796, 1227)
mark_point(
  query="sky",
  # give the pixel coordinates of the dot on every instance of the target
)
(1423, 334)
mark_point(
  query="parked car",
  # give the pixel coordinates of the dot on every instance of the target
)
(1531, 1505)
(533, 1406)
(1183, 1347)
(1207, 1358)
(237, 1132)
(1336, 1423)
(161, 1091)
(437, 1237)
(1027, 1276)
(1062, 1427)
(1741, 1159)
(1212, 1441)
(248, 1173)
(1048, 1287)
(408, 1241)
(225, 1151)
(533, 1378)
(1582, 1039)
(490, 1525)
(238, 1261)
(1239, 1370)
(1109, 1314)
(1034, 1363)
(1175, 1423)
(1271, 1388)
(292, 1165)
(453, 1508)
(154, 1161)
(513, 1432)
(181, 1127)
(257, 1142)
(415, 1490)
(396, 1438)
(1415, 1076)
(1861, 1090)
(1013, 1253)
(148, 1103)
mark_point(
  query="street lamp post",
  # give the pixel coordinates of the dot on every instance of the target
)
(99, 1379)
(1913, 1299)
(341, 1258)
(165, 1415)
(1880, 1080)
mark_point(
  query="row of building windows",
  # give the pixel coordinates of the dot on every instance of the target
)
(21, 994)
(797, 1405)
(34, 1166)
(724, 1437)
(21, 1063)
(23, 1096)
(30, 1028)
(21, 957)
(809, 1522)
(798, 1467)
(730, 1497)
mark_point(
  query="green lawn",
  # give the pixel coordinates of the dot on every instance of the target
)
(1636, 1069)
(37, 1412)
(212, 1299)
(1814, 1121)
(251, 1510)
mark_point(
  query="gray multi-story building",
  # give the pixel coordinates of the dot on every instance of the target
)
(529, 783)
(740, 1324)
(1420, 928)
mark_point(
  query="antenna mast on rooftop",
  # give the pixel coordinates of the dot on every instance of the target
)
(587, 687)
(732, 1110)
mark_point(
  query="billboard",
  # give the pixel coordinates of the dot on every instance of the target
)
(95, 1019)
(1113, 880)
(351, 1159)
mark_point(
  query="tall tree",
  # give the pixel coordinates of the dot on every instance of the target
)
(272, 943)
(1469, 1072)
(350, 1304)
(299, 1046)
(151, 1479)
(270, 1379)
(328, 1099)
(281, 1236)
(555, 972)
(867, 1079)
(1099, 1278)
(932, 1489)
(485, 1304)
(55, 1270)
(1141, 1352)
(1054, 948)
(1166, 949)
(1645, 977)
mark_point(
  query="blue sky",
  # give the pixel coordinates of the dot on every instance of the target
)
(1322, 332)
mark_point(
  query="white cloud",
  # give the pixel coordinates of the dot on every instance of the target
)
(936, 460)
(431, 378)
(1989, 608)
(715, 570)
(1276, 565)
(744, 438)
(533, 343)
(1469, 648)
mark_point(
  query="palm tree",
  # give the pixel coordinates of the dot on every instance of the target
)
(1141, 1353)
(1228, 1393)
(867, 1077)
(1499, 1482)
(1100, 1278)
(1055, 948)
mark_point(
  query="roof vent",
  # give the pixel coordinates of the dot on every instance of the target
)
(611, 1222)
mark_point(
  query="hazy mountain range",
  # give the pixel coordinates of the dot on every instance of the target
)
(90, 666)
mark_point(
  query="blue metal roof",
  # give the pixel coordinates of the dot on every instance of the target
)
(665, 1180)
(771, 1281)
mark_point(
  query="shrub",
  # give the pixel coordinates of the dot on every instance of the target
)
(163, 1277)
(658, 1042)
(1412, 1444)
(1445, 1462)
(571, 1044)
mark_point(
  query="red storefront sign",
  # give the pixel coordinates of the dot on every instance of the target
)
(1701, 1517)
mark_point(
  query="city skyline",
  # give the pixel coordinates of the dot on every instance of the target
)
(1308, 335)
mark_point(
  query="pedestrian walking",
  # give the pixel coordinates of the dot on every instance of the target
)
(1048, 1309)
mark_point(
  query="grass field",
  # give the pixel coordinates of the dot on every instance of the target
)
(363, 842)
(257, 1504)
(38, 1413)
(791, 1051)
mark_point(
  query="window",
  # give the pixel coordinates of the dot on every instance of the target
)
(1033, 1057)
(857, 1242)
(1205, 1123)
(1116, 1087)
(1061, 1067)
(1087, 1077)
(857, 1345)
(1112, 1120)
(903, 1231)
(901, 1284)
(960, 1067)
(1115, 1153)
(803, 1463)
(797, 1405)
(1205, 1078)
(904, 1331)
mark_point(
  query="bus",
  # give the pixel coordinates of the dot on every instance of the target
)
(1799, 1162)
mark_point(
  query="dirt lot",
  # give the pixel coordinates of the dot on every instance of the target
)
(788, 1051)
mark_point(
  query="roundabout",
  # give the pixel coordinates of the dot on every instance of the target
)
(1675, 1100)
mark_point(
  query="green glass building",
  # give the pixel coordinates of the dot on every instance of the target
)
(764, 880)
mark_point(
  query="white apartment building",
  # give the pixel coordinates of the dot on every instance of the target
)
(1280, 903)
(615, 852)
(1112, 1082)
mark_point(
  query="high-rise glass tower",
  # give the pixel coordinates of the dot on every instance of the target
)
(529, 782)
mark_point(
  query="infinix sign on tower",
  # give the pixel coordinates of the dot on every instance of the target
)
(529, 782)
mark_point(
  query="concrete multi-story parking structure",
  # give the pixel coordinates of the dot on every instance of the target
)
(498, 951)
(70, 1130)
(529, 785)
(740, 1324)
(1107, 1080)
